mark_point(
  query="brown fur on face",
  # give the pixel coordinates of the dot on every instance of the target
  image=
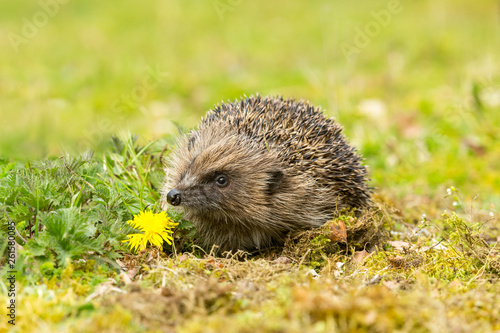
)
(286, 167)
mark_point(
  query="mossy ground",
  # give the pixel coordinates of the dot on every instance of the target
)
(421, 101)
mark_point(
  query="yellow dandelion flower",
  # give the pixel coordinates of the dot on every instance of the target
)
(156, 228)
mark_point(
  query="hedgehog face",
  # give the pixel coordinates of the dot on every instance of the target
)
(203, 191)
(220, 180)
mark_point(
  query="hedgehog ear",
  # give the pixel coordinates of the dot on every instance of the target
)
(275, 180)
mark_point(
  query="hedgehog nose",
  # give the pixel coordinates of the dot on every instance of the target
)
(174, 197)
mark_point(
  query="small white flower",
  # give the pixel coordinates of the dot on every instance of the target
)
(491, 214)
(313, 273)
(449, 191)
(424, 216)
(455, 203)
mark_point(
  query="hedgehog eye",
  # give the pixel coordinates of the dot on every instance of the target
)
(221, 180)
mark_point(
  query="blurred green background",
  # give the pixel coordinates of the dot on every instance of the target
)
(419, 94)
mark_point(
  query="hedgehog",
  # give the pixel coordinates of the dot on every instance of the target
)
(259, 167)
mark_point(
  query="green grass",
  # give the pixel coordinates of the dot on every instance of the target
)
(421, 102)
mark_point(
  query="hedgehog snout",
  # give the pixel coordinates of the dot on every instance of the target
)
(174, 197)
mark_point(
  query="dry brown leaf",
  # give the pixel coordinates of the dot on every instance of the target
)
(338, 232)
(399, 245)
(397, 261)
(167, 292)
(103, 289)
(360, 256)
(211, 264)
(182, 257)
(120, 263)
(282, 260)
(125, 278)
(392, 285)
(132, 272)
(473, 145)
